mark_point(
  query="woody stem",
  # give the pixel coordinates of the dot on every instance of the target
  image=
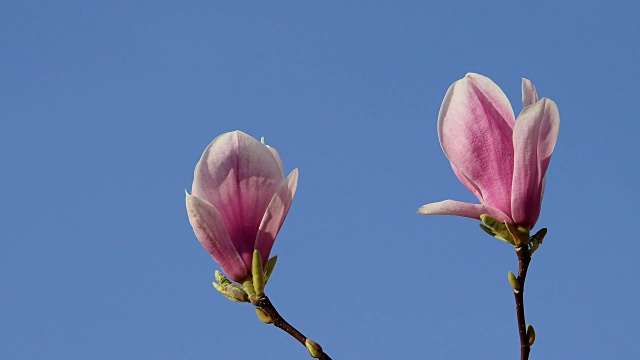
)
(524, 258)
(263, 302)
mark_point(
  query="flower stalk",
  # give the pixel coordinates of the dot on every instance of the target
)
(524, 258)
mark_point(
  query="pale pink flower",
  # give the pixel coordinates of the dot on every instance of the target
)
(239, 200)
(501, 160)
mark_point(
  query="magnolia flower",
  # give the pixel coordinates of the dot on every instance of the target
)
(239, 201)
(501, 160)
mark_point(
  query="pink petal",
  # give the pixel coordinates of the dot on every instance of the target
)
(275, 215)
(459, 208)
(277, 157)
(469, 184)
(534, 138)
(529, 94)
(475, 127)
(210, 230)
(238, 175)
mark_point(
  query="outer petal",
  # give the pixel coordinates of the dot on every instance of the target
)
(275, 215)
(459, 208)
(529, 94)
(238, 175)
(475, 127)
(277, 157)
(534, 138)
(469, 184)
(210, 230)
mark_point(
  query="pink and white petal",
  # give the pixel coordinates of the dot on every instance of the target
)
(468, 183)
(211, 232)
(459, 208)
(475, 127)
(277, 157)
(275, 214)
(238, 175)
(529, 94)
(534, 139)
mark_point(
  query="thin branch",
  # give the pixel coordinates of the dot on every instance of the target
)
(524, 258)
(265, 305)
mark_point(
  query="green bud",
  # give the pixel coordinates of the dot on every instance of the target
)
(314, 348)
(258, 274)
(221, 279)
(531, 334)
(539, 236)
(515, 284)
(233, 292)
(263, 316)
(271, 264)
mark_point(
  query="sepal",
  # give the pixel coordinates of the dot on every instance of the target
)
(519, 234)
(496, 228)
(271, 264)
(515, 235)
(258, 274)
(231, 291)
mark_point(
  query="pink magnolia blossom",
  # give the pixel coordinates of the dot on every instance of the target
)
(501, 160)
(239, 201)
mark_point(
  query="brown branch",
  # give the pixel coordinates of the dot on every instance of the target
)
(524, 258)
(265, 305)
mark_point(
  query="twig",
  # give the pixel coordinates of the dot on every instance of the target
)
(524, 258)
(265, 305)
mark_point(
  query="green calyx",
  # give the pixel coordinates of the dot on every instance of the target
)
(247, 285)
(230, 290)
(505, 231)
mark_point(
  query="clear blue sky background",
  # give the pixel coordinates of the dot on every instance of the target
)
(105, 108)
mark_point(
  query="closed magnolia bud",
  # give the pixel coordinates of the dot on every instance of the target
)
(239, 200)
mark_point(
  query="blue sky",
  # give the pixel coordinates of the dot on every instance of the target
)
(105, 108)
